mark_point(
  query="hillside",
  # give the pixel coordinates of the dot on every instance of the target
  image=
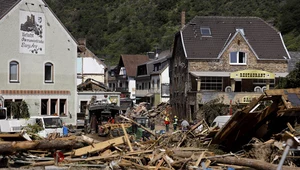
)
(138, 26)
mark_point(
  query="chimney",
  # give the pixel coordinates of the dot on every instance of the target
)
(82, 44)
(182, 19)
(151, 55)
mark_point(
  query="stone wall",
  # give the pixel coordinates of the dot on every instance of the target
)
(223, 64)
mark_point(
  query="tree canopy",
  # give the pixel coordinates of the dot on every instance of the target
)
(138, 26)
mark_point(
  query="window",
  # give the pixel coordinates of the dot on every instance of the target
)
(263, 82)
(158, 84)
(237, 58)
(211, 83)
(14, 72)
(48, 73)
(122, 71)
(62, 107)
(165, 90)
(205, 31)
(56, 107)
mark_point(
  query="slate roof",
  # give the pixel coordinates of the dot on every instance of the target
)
(265, 40)
(6, 5)
(161, 58)
(132, 61)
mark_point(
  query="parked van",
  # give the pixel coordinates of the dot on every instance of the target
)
(220, 121)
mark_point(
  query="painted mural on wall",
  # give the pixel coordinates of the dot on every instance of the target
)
(32, 32)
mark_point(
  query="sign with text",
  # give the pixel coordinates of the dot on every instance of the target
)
(32, 32)
(252, 74)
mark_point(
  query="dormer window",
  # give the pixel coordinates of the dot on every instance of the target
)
(241, 30)
(122, 71)
(205, 31)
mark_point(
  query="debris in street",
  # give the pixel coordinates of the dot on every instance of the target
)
(254, 137)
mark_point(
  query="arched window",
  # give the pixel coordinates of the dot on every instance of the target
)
(14, 72)
(48, 73)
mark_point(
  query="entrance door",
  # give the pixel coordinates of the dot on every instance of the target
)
(238, 86)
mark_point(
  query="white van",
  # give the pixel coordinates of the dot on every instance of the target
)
(220, 121)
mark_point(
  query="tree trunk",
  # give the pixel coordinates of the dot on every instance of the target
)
(252, 163)
(12, 147)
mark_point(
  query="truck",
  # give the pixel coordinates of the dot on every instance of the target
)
(49, 124)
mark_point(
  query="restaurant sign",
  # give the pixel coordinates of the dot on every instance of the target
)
(252, 74)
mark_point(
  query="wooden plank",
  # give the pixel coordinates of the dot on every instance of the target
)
(101, 157)
(159, 164)
(98, 146)
(139, 152)
(126, 137)
(199, 159)
(168, 162)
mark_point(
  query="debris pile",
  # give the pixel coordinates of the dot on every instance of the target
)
(254, 137)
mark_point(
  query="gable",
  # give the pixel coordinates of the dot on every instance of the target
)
(32, 10)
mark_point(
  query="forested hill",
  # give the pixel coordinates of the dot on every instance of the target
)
(114, 27)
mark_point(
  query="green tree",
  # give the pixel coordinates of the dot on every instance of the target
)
(292, 79)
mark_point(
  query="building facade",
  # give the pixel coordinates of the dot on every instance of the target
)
(234, 58)
(122, 77)
(38, 60)
(153, 81)
(89, 66)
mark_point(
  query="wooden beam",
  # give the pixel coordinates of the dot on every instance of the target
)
(98, 146)
(126, 137)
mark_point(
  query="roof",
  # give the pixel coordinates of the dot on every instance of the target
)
(6, 5)
(91, 84)
(161, 58)
(295, 57)
(264, 39)
(132, 61)
(89, 54)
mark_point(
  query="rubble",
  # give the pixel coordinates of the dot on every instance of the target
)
(253, 137)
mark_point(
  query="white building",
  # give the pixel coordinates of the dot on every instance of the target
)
(152, 80)
(89, 66)
(38, 59)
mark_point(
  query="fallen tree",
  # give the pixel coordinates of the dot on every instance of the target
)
(57, 144)
(252, 163)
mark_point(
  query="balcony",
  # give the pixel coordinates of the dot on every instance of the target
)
(147, 92)
(141, 93)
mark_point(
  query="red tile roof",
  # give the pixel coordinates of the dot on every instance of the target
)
(131, 62)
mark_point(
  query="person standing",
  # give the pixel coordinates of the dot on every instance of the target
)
(175, 123)
(65, 130)
(167, 122)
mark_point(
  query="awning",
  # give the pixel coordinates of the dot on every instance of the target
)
(210, 74)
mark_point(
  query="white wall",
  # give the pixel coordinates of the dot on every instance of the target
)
(131, 88)
(90, 68)
(164, 77)
(60, 49)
